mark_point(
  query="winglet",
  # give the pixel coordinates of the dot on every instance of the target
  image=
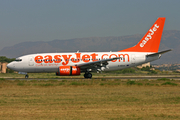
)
(151, 40)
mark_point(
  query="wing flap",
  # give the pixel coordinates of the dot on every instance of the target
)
(100, 63)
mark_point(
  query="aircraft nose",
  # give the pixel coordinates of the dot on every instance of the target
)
(10, 65)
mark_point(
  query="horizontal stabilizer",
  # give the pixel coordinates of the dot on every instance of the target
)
(162, 52)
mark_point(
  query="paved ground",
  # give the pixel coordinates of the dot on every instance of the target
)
(101, 77)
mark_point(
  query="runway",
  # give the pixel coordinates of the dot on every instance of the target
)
(103, 77)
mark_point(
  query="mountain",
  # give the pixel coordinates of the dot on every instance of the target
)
(170, 40)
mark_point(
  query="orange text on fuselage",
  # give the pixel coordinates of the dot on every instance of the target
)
(79, 57)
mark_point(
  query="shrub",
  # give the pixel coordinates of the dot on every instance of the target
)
(2, 79)
(163, 79)
(152, 72)
(102, 84)
(169, 83)
(139, 84)
(131, 83)
(61, 83)
(149, 84)
(9, 71)
(128, 70)
(147, 68)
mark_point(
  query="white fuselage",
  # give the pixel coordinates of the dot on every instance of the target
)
(49, 62)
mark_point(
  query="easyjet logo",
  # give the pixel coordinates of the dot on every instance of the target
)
(149, 35)
(65, 59)
(68, 70)
(65, 69)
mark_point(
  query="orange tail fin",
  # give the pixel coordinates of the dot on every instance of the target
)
(151, 40)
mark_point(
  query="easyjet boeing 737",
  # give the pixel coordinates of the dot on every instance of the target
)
(69, 64)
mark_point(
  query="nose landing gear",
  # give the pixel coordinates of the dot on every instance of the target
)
(24, 73)
(26, 76)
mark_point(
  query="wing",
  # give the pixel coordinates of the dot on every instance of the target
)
(95, 65)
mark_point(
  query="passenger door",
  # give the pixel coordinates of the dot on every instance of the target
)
(133, 59)
(31, 62)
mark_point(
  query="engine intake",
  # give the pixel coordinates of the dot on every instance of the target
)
(68, 71)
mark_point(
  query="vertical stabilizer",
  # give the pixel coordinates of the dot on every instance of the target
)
(151, 40)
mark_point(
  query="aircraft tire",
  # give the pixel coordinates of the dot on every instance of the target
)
(88, 75)
(26, 76)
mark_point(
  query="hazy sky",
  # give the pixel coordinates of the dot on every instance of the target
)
(46, 20)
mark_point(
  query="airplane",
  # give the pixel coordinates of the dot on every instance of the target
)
(71, 64)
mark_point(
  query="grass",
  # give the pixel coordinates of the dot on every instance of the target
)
(169, 83)
(131, 82)
(20, 84)
(78, 83)
(2, 78)
(79, 99)
(163, 79)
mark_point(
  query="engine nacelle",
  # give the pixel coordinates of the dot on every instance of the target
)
(68, 71)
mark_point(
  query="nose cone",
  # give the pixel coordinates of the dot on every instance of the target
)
(10, 65)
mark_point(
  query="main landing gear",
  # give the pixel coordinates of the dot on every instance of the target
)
(87, 75)
(26, 76)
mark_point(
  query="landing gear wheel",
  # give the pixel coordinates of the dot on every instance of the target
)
(88, 75)
(26, 76)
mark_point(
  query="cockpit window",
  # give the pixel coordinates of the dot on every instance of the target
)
(18, 60)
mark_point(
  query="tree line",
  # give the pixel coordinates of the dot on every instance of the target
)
(4, 59)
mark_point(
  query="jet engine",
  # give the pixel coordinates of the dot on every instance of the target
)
(68, 71)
